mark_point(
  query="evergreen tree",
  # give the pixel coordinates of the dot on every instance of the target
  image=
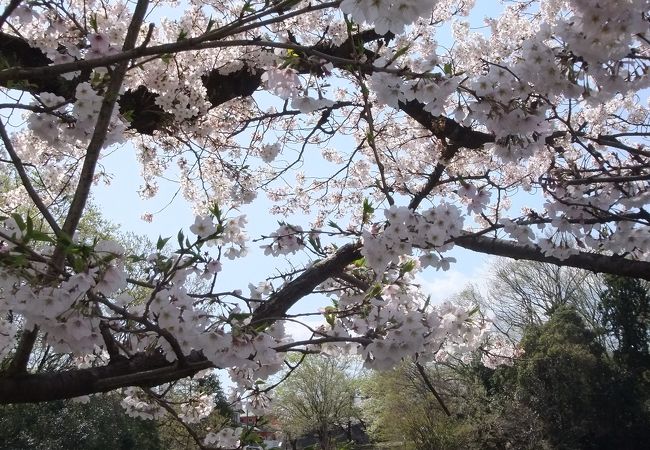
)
(625, 305)
(582, 400)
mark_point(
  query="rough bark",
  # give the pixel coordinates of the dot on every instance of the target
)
(615, 265)
(141, 370)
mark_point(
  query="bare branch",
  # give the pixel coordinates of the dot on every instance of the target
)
(615, 265)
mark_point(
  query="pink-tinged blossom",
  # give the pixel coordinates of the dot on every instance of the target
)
(387, 15)
(50, 100)
(225, 438)
(203, 227)
(213, 266)
(287, 239)
(269, 152)
(284, 83)
(135, 405)
(498, 352)
(98, 43)
(113, 280)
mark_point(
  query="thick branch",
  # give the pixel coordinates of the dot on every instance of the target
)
(615, 265)
(148, 117)
(279, 302)
(140, 370)
(444, 128)
(20, 359)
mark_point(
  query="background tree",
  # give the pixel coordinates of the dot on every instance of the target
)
(401, 410)
(519, 294)
(580, 397)
(485, 412)
(319, 397)
(625, 304)
(99, 424)
(567, 389)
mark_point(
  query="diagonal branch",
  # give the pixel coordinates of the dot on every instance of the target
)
(27, 184)
(280, 301)
(100, 131)
(431, 388)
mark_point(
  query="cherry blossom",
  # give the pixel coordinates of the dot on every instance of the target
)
(377, 140)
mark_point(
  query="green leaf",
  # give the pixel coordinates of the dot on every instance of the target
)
(216, 212)
(181, 36)
(407, 267)
(401, 52)
(135, 258)
(180, 238)
(78, 263)
(448, 69)
(93, 22)
(374, 291)
(210, 25)
(129, 115)
(330, 315)
(161, 242)
(314, 241)
(30, 225)
(368, 210)
(40, 236)
(19, 221)
(334, 225)
(359, 262)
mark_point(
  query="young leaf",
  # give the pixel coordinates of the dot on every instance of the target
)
(19, 221)
(368, 210)
(180, 238)
(161, 242)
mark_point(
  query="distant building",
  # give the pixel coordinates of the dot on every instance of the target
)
(266, 427)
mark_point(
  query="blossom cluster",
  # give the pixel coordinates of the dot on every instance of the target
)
(135, 405)
(500, 352)
(401, 327)
(387, 15)
(546, 100)
(433, 229)
(287, 239)
(227, 438)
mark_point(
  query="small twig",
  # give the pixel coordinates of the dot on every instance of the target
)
(174, 414)
(11, 7)
(27, 184)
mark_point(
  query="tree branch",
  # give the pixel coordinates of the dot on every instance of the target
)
(280, 301)
(99, 134)
(431, 388)
(27, 184)
(140, 370)
(615, 265)
(20, 358)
